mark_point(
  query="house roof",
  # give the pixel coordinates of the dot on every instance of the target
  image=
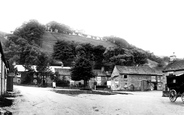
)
(174, 66)
(54, 68)
(21, 68)
(63, 71)
(138, 70)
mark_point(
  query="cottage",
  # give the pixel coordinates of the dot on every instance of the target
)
(100, 77)
(175, 67)
(135, 78)
(65, 73)
(21, 74)
(20, 69)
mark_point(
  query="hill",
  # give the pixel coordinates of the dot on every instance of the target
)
(49, 40)
(152, 64)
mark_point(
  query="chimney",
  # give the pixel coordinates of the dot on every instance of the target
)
(102, 69)
(172, 57)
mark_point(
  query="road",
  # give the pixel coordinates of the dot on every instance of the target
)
(43, 101)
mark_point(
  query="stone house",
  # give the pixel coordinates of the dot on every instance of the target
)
(21, 74)
(64, 74)
(100, 77)
(34, 79)
(135, 78)
(63, 71)
(20, 70)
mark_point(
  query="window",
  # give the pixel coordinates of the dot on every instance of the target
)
(125, 76)
(174, 80)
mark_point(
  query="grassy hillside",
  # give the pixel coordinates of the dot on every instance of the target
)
(49, 40)
(152, 63)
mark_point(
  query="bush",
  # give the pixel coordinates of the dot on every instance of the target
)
(101, 87)
(62, 83)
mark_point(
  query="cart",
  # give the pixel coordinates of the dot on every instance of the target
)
(176, 87)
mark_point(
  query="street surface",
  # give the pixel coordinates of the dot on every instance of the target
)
(43, 101)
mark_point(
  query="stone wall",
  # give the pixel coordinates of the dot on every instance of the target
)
(131, 82)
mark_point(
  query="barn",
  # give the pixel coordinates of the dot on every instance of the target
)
(136, 78)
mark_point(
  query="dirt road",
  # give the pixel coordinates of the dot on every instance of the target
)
(43, 101)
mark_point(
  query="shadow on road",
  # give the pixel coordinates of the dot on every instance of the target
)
(5, 102)
(78, 92)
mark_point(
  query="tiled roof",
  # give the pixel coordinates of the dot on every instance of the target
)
(21, 68)
(140, 70)
(174, 66)
(63, 71)
(53, 68)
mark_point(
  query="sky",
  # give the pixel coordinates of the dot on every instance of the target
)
(153, 25)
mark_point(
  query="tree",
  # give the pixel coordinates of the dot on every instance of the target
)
(29, 56)
(32, 31)
(43, 62)
(89, 51)
(42, 66)
(119, 42)
(82, 70)
(13, 48)
(98, 56)
(140, 57)
(60, 27)
(64, 51)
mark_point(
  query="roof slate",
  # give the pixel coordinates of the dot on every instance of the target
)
(63, 71)
(174, 66)
(140, 70)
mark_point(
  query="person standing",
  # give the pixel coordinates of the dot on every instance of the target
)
(125, 86)
(95, 83)
(54, 84)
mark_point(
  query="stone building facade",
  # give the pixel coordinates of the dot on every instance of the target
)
(135, 78)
